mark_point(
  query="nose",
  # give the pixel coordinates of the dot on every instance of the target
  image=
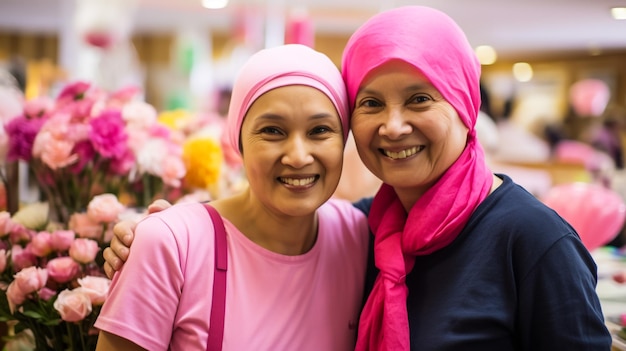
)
(394, 126)
(297, 152)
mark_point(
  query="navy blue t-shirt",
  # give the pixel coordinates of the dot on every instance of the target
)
(516, 278)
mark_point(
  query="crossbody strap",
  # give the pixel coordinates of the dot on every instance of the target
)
(218, 306)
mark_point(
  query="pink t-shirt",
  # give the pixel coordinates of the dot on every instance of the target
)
(161, 299)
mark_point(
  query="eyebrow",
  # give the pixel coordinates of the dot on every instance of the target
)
(318, 116)
(408, 89)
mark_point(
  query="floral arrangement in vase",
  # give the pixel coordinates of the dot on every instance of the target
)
(52, 281)
(88, 142)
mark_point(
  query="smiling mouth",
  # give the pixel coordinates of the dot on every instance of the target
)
(298, 181)
(404, 153)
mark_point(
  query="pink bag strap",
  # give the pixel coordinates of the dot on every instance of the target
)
(218, 306)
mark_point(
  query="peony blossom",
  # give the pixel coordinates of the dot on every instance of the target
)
(84, 250)
(104, 208)
(73, 305)
(96, 287)
(62, 269)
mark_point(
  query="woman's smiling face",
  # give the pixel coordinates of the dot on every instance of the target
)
(292, 143)
(406, 133)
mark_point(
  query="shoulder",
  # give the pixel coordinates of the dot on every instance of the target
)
(341, 211)
(181, 223)
(341, 218)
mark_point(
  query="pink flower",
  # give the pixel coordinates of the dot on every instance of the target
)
(96, 287)
(73, 92)
(38, 107)
(15, 296)
(73, 305)
(40, 244)
(85, 227)
(22, 258)
(123, 164)
(85, 154)
(173, 170)
(61, 240)
(6, 224)
(22, 132)
(63, 269)
(31, 279)
(84, 250)
(55, 153)
(139, 114)
(108, 135)
(104, 208)
(20, 234)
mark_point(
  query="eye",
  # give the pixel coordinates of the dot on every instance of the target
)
(420, 99)
(370, 103)
(270, 130)
(320, 130)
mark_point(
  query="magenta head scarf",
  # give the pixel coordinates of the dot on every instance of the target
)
(281, 66)
(434, 44)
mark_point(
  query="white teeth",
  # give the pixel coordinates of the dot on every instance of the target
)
(298, 182)
(404, 153)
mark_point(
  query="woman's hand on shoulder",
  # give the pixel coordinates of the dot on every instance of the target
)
(124, 232)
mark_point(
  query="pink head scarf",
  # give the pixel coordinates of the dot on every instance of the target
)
(276, 67)
(433, 43)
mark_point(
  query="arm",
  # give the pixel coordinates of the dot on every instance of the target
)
(124, 232)
(112, 342)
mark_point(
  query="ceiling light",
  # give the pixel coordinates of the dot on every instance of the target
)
(522, 71)
(486, 54)
(214, 4)
(619, 13)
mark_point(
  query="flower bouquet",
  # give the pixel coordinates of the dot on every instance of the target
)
(52, 282)
(88, 142)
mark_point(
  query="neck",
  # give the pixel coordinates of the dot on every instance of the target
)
(279, 233)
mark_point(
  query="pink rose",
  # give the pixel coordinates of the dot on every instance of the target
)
(84, 250)
(85, 227)
(96, 287)
(31, 279)
(62, 269)
(61, 240)
(73, 305)
(40, 244)
(15, 296)
(22, 258)
(104, 208)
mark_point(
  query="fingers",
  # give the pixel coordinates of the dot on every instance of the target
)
(112, 262)
(158, 205)
(108, 270)
(124, 232)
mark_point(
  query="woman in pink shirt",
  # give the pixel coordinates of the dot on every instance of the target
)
(296, 261)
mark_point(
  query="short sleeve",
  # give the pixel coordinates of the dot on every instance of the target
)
(144, 295)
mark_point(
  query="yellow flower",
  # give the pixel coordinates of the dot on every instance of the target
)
(175, 119)
(203, 159)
